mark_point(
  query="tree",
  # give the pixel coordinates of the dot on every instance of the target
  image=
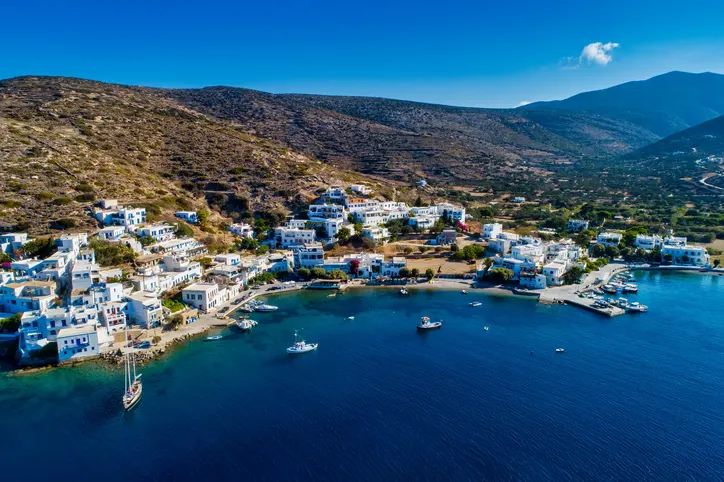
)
(612, 252)
(304, 273)
(415, 273)
(408, 250)
(262, 250)
(10, 324)
(583, 239)
(598, 250)
(454, 247)
(500, 275)
(336, 274)
(668, 258)
(717, 262)
(250, 244)
(418, 202)
(358, 228)
(429, 274)
(404, 273)
(111, 254)
(318, 273)
(175, 322)
(183, 230)
(423, 248)
(203, 216)
(573, 275)
(343, 235)
(41, 248)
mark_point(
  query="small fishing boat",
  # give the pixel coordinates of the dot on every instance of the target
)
(560, 350)
(350, 318)
(214, 337)
(464, 292)
(426, 324)
(630, 288)
(486, 328)
(403, 291)
(300, 346)
(247, 309)
(636, 307)
(263, 307)
(133, 386)
(475, 303)
(246, 325)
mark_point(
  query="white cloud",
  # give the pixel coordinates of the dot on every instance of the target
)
(598, 53)
(524, 102)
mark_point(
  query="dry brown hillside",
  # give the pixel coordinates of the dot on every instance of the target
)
(65, 143)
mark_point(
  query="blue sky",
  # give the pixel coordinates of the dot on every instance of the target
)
(480, 53)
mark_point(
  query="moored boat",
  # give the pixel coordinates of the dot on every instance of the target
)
(263, 307)
(404, 291)
(560, 350)
(133, 384)
(426, 324)
(637, 307)
(475, 303)
(214, 337)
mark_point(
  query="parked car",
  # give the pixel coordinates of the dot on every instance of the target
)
(224, 309)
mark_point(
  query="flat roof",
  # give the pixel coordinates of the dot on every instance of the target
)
(76, 330)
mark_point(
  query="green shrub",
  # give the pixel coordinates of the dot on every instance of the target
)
(62, 201)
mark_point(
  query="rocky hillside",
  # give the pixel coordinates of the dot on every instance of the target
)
(67, 142)
(399, 139)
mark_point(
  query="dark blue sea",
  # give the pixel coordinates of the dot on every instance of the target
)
(636, 397)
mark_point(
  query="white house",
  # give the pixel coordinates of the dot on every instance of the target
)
(533, 281)
(126, 217)
(371, 216)
(577, 225)
(376, 234)
(644, 241)
(367, 264)
(609, 239)
(72, 243)
(114, 315)
(333, 227)
(241, 229)
(492, 230)
(288, 237)
(446, 238)
(499, 245)
(75, 343)
(320, 212)
(519, 199)
(554, 272)
(423, 222)
(334, 195)
(144, 308)
(308, 255)
(529, 253)
(188, 216)
(421, 183)
(686, 255)
(158, 231)
(392, 268)
(11, 242)
(361, 189)
(202, 296)
(229, 259)
(181, 247)
(111, 233)
(24, 296)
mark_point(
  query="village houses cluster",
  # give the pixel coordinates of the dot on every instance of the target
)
(67, 298)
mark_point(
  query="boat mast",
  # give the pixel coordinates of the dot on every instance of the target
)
(126, 373)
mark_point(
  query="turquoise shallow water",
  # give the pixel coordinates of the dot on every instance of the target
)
(637, 397)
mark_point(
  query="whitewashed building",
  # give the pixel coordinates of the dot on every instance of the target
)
(609, 239)
(158, 231)
(188, 216)
(320, 212)
(308, 255)
(144, 308)
(393, 267)
(76, 343)
(241, 229)
(492, 230)
(202, 296)
(288, 237)
(577, 225)
(648, 243)
(376, 234)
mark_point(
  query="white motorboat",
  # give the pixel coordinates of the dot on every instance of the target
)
(560, 350)
(426, 324)
(464, 292)
(475, 303)
(630, 288)
(263, 307)
(637, 307)
(245, 325)
(133, 385)
(213, 337)
(247, 308)
(301, 346)
(351, 318)
(486, 328)
(403, 291)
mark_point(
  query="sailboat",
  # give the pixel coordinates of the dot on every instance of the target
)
(134, 387)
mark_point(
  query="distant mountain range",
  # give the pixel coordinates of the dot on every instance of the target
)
(662, 105)
(701, 140)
